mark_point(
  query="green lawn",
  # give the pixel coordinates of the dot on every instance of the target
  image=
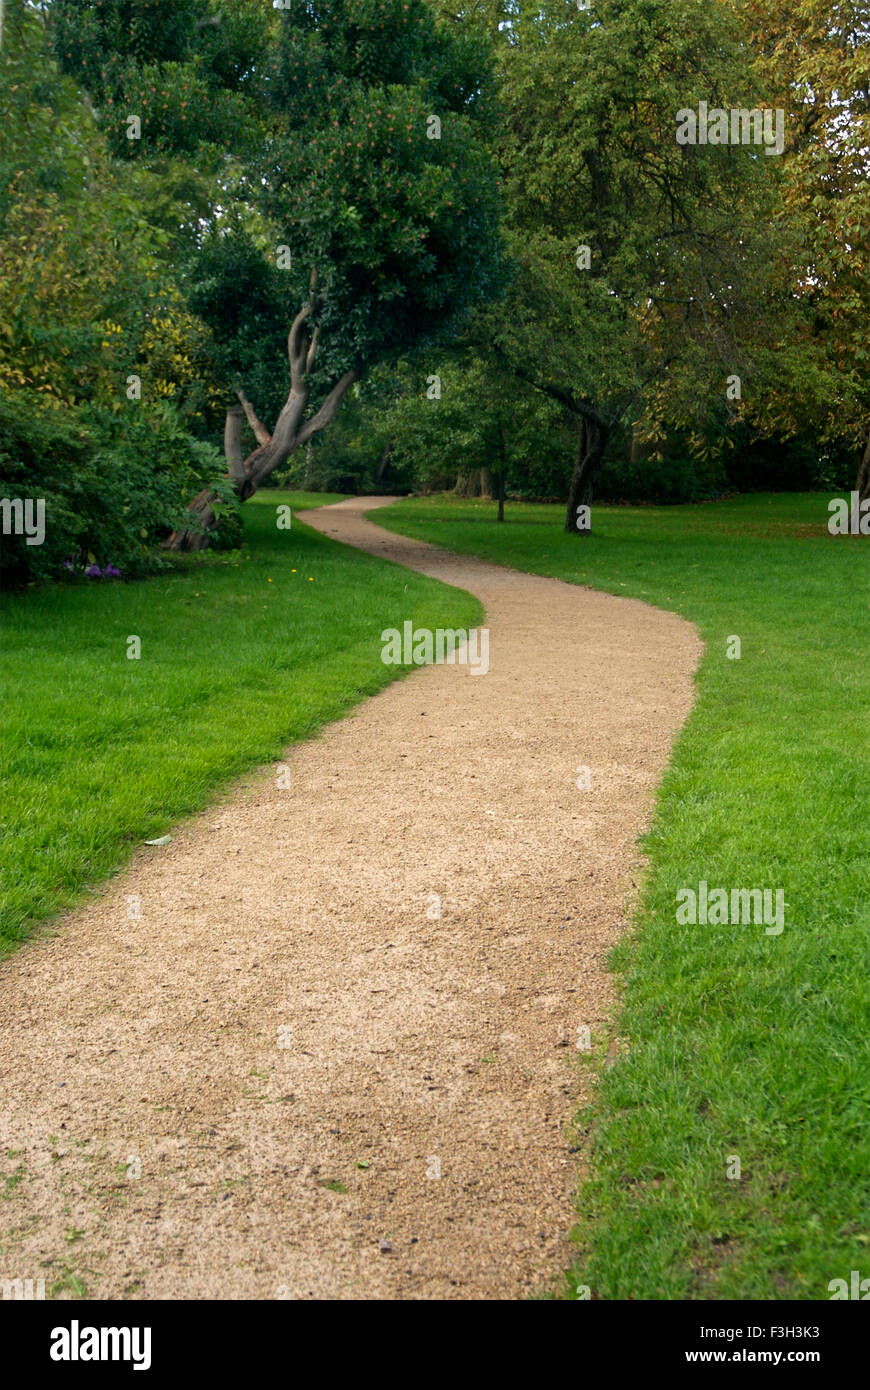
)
(240, 656)
(742, 1043)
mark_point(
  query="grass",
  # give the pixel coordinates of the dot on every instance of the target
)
(741, 1044)
(241, 655)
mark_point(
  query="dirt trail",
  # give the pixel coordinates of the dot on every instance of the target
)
(280, 1163)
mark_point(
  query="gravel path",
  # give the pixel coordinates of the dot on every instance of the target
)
(251, 1091)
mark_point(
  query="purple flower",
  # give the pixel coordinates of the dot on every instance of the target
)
(111, 572)
(68, 565)
(94, 572)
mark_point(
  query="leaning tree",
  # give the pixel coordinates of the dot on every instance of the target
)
(355, 207)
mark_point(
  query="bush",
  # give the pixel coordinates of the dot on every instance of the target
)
(113, 482)
(776, 465)
(678, 479)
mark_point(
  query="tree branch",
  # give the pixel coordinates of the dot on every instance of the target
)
(261, 434)
(300, 350)
(312, 350)
(565, 398)
(297, 346)
(233, 443)
(326, 414)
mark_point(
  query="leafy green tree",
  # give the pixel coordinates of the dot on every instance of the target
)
(640, 260)
(813, 56)
(454, 423)
(186, 72)
(87, 307)
(358, 213)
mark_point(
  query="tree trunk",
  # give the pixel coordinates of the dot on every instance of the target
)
(637, 450)
(384, 463)
(502, 458)
(273, 450)
(591, 445)
(194, 539)
(248, 475)
(863, 483)
(468, 484)
(477, 483)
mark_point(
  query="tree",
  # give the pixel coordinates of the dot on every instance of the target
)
(639, 259)
(451, 420)
(360, 216)
(813, 56)
(87, 306)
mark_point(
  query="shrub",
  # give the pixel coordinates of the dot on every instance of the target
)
(112, 482)
(676, 479)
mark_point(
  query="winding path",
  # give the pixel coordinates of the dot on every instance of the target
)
(250, 1092)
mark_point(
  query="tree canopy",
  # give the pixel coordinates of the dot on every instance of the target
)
(253, 210)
